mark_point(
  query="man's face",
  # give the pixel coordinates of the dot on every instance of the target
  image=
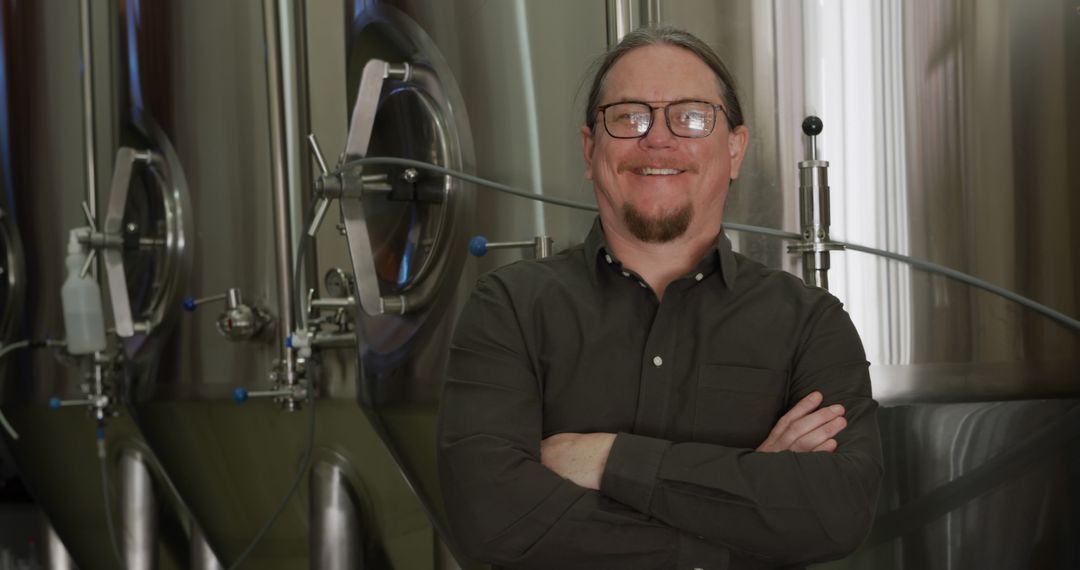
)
(661, 187)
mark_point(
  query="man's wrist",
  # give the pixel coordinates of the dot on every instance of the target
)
(630, 474)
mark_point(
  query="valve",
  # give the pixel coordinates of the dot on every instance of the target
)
(239, 321)
(814, 211)
(543, 246)
(290, 387)
(96, 391)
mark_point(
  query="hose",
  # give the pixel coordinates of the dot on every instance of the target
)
(924, 265)
(109, 522)
(304, 466)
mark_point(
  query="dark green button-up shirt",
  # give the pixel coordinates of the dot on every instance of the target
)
(691, 384)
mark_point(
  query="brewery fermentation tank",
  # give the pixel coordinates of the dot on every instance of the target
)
(949, 135)
(331, 285)
(372, 287)
(49, 168)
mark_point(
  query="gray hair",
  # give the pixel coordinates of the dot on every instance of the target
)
(643, 37)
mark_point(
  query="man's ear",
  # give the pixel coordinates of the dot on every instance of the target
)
(587, 145)
(737, 141)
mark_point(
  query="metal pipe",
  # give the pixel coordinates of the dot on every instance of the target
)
(138, 513)
(335, 522)
(54, 556)
(620, 20)
(279, 160)
(650, 12)
(88, 106)
(202, 556)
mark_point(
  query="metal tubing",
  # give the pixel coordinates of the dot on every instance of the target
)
(54, 556)
(202, 557)
(279, 160)
(138, 513)
(88, 107)
(650, 12)
(620, 20)
(335, 522)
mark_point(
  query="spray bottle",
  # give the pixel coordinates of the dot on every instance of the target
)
(84, 318)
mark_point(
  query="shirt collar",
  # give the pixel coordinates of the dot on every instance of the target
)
(596, 249)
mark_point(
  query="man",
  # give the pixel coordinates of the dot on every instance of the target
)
(651, 399)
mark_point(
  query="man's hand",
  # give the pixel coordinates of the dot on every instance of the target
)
(803, 429)
(579, 457)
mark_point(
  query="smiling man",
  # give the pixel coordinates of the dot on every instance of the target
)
(652, 399)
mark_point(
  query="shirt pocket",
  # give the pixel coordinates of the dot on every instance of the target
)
(737, 406)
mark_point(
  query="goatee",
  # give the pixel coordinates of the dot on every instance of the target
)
(661, 229)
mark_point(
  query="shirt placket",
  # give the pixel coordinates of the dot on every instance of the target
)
(658, 367)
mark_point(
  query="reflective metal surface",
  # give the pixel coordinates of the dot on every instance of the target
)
(201, 73)
(982, 485)
(56, 451)
(336, 534)
(948, 132)
(138, 513)
(202, 557)
(53, 554)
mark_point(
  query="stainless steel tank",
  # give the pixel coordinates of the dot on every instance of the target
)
(227, 89)
(49, 169)
(949, 135)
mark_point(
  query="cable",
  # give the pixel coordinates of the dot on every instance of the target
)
(965, 278)
(304, 466)
(474, 179)
(105, 493)
(4, 351)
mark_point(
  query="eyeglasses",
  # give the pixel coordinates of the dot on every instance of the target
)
(633, 119)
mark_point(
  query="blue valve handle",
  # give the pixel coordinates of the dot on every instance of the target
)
(478, 246)
(189, 304)
(240, 395)
(54, 403)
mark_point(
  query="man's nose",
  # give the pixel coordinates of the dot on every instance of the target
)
(659, 134)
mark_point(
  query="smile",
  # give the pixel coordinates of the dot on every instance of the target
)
(648, 171)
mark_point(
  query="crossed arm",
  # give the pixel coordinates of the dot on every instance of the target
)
(581, 457)
(629, 501)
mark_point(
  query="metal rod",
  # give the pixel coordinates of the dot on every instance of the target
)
(620, 20)
(651, 14)
(334, 303)
(279, 159)
(88, 108)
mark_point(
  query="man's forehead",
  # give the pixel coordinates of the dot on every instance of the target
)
(660, 73)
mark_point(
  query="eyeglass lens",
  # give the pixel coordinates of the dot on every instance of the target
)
(693, 119)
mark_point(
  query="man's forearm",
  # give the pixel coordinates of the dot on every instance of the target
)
(785, 507)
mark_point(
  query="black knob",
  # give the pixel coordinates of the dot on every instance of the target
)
(812, 126)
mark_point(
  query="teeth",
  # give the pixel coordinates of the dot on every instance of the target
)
(657, 171)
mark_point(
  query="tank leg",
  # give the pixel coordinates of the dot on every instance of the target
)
(54, 556)
(444, 559)
(202, 557)
(138, 513)
(335, 521)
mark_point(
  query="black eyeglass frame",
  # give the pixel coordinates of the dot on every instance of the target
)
(718, 110)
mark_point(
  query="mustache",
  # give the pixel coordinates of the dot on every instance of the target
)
(666, 164)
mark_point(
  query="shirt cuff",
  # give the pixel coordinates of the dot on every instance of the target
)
(630, 473)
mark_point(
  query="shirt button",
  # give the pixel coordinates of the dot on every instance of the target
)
(607, 257)
(657, 361)
(699, 276)
(626, 274)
